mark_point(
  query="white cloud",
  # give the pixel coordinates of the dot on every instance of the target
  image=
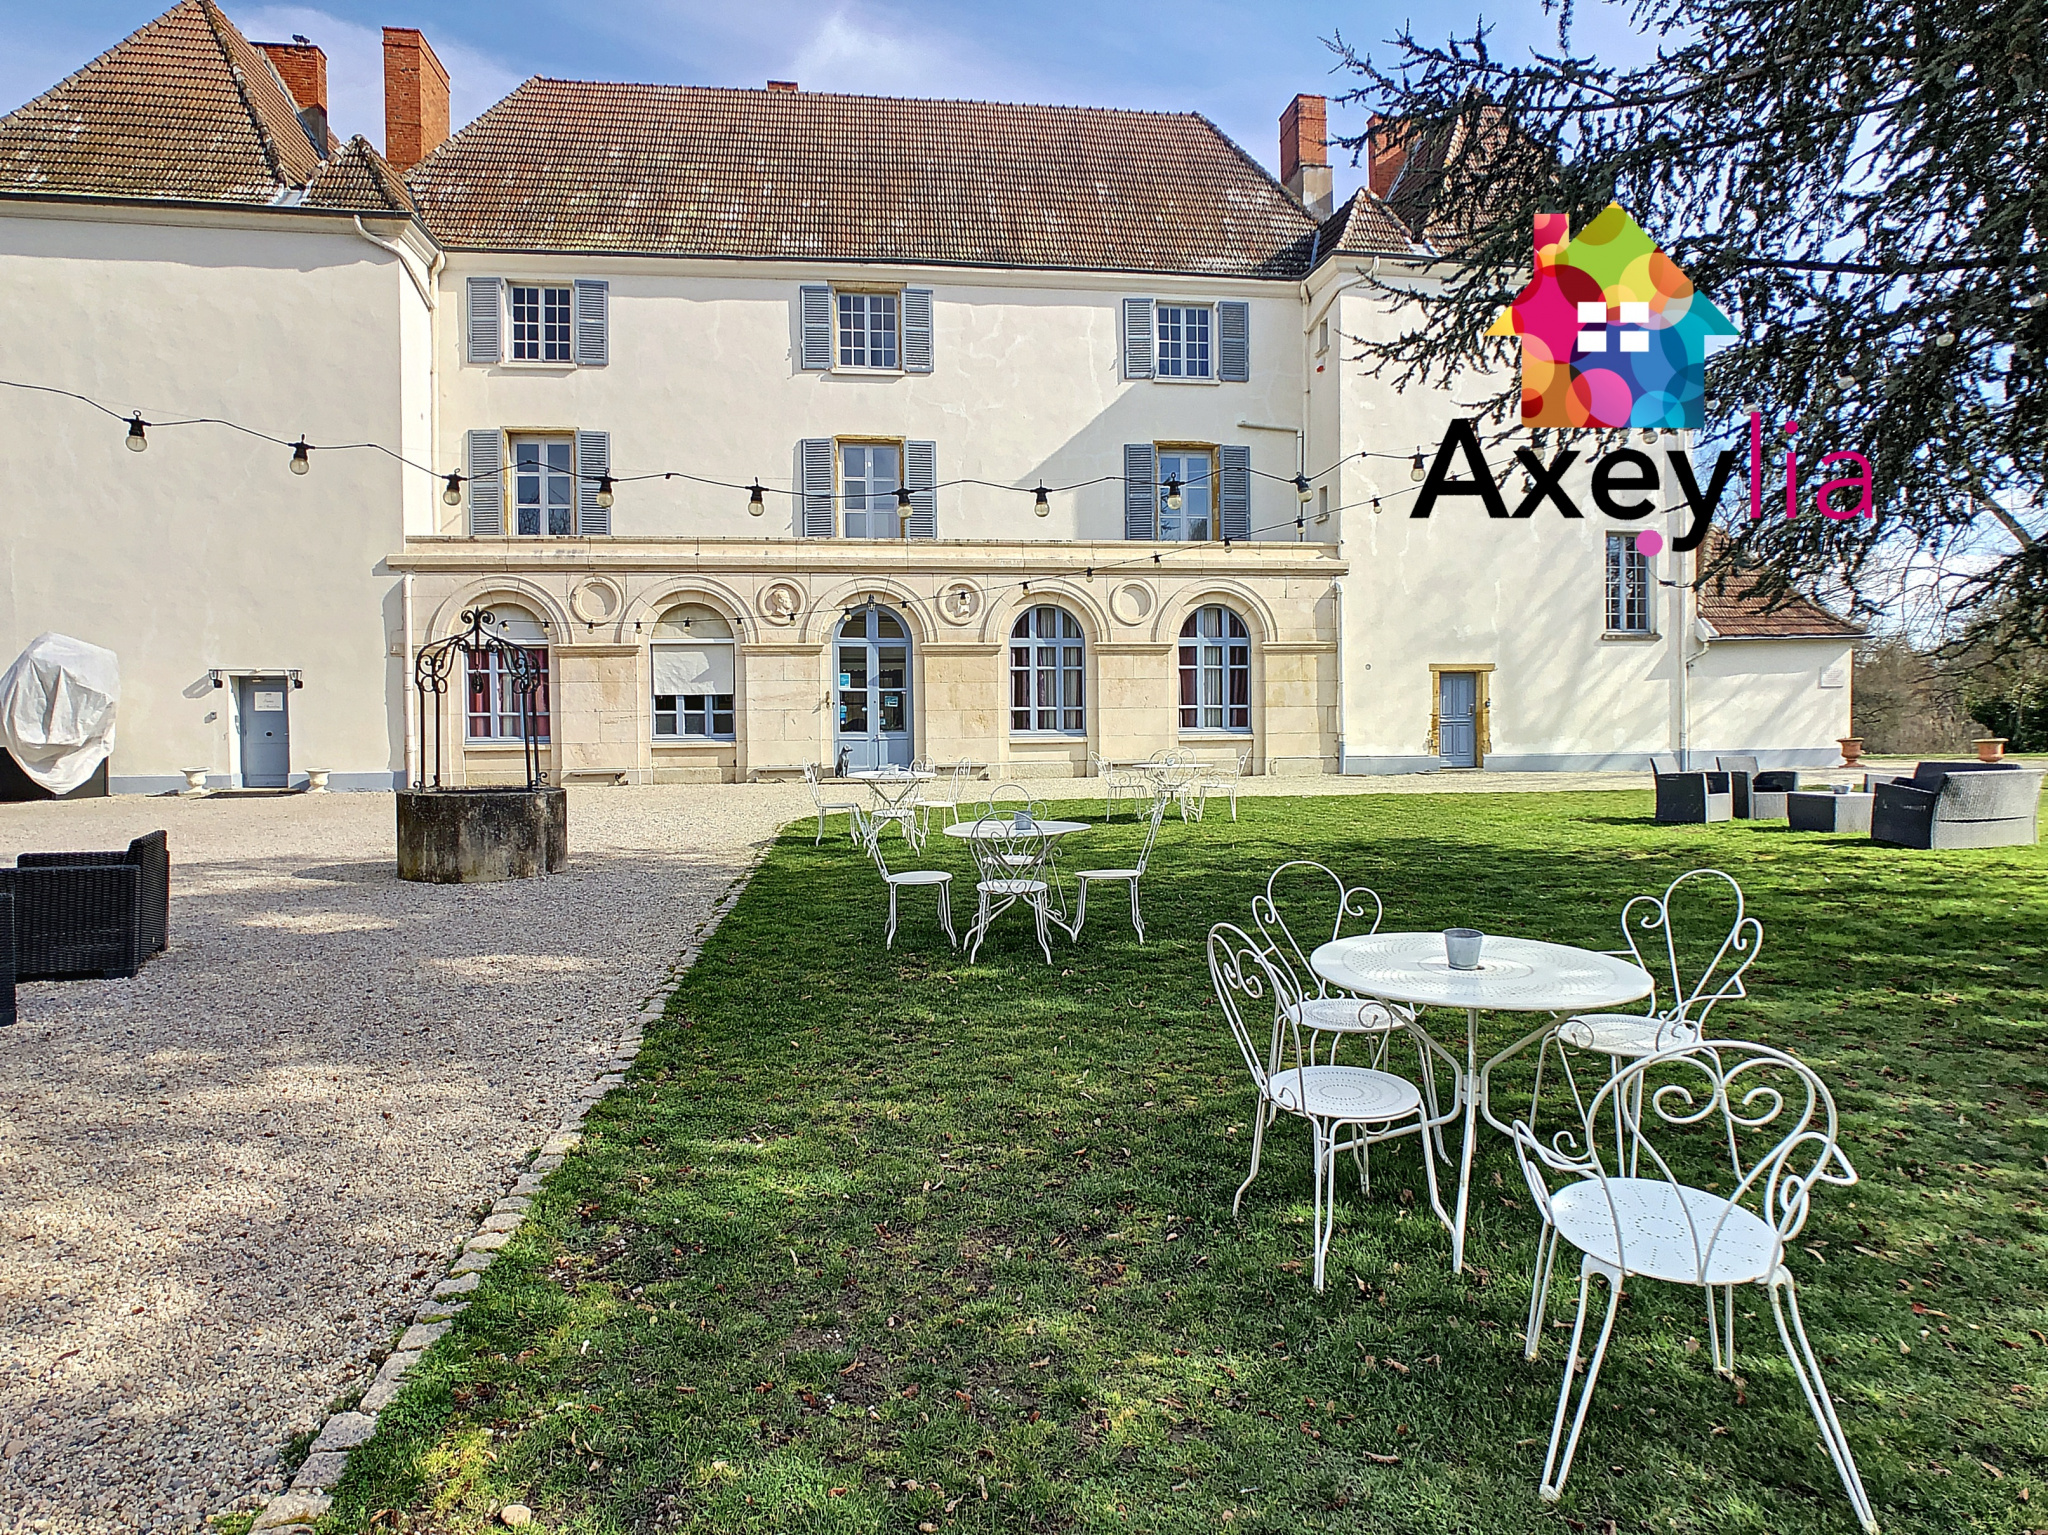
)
(355, 66)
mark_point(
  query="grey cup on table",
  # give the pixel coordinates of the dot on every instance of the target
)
(1461, 947)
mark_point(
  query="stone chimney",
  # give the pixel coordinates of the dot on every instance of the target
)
(782, 85)
(304, 70)
(1304, 156)
(415, 99)
(1387, 151)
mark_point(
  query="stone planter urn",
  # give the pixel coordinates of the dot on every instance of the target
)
(195, 780)
(475, 836)
(1990, 748)
(316, 780)
(1852, 749)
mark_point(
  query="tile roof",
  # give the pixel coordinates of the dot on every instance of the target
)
(1364, 226)
(805, 175)
(185, 108)
(1738, 610)
(357, 179)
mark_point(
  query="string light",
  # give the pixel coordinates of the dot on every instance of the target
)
(1945, 339)
(1302, 491)
(1039, 503)
(604, 492)
(451, 493)
(754, 504)
(1172, 494)
(903, 506)
(301, 457)
(1416, 471)
(137, 441)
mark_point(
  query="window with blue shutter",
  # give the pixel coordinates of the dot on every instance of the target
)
(814, 480)
(917, 330)
(814, 325)
(593, 463)
(593, 323)
(1137, 338)
(921, 475)
(1234, 497)
(486, 319)
(484, 460)
(1234, 341)
(1141, 490)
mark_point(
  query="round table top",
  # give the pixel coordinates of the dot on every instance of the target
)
(1005, 827)
(1519, 975)
(891, 775)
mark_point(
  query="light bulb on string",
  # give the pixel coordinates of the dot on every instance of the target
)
(1417, 471)
(302, 459)
(755, 507)
(1173, 495)
(1302, 492)
(903, 506)
(1039, 504)
(451, 493)
(138, 442)
(1946, 339)
(604, 492)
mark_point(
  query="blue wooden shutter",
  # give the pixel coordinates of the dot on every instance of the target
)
(486, 319)
(593, 323)
(1137, 338)
(1141, 490)
(921, 474)
(1234, 341)
(814, 465)
(593, 459)
(1234, 499)
(484, 466)
(917, 330)
(815, 315)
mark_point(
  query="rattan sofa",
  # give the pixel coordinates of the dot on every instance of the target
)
(1959, 804)
(81, 915)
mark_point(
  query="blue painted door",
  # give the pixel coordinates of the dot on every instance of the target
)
(263, 704)
(872, 688)
(1457, 722)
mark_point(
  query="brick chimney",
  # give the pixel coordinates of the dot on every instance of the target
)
(1304, 156)
(1387, 151)
(782, 85)
(304, 70)
(415, 99)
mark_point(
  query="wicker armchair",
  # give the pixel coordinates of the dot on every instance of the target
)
(1758, 796)
(90, 914)
(6, 959)
(1691, 798)
(1959, 804)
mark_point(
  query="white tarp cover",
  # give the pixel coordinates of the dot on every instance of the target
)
(57, 710)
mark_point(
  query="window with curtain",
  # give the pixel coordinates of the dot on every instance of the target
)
(1628, 586)
(867, 330)
(1215, 671)
(493, 704)
(693, 666)
(1046, 675)
(1183, 335)
(540, 324)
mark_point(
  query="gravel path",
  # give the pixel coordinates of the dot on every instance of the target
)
(228, 1180)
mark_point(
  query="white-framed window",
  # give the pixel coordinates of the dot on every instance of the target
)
(867, 330)
(1047, 689)
(693, 669)
(492, 709)
(1215, 671)
(1189, 474)
(544, 486)
(1184, 334)
(870, 474)
(541, 323)
(1628, 586)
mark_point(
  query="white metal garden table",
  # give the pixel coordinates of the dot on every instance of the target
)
(894, 791)
(1042, 839)
(1515, 975)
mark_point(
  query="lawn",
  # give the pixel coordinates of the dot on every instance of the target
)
(880, 1241)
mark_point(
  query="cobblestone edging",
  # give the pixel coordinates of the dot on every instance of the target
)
(307, 1499)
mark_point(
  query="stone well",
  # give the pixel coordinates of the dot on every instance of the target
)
(474, 836)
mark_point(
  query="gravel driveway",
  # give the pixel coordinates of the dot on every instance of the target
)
(224, 1182)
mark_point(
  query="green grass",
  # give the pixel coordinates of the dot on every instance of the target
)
(886, 1242)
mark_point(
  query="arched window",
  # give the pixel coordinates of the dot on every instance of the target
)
(693, 675)
(1046, 673)
(1215, 671)
(493, 702)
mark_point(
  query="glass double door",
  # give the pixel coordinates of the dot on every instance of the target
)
(872, 658)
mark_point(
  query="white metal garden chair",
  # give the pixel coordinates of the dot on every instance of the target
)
(814, 778)
(1004, 801)
(1217, 778)
(1763, 1138)
(1348, 1108)
(1699, 902)
(1085, 877)
(1118, 782)
(869, 832)
(907, 812)
(949, 786)
(1011, 868)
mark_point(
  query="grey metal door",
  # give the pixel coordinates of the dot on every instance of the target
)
(263, 706)
(872, 662)
(1457, 718)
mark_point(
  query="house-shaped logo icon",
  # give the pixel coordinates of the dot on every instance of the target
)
(1613, 334)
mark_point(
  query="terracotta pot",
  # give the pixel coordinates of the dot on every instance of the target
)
(1990, 748)
(1852, 749)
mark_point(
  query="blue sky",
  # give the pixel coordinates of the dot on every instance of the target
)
(1237, 64)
